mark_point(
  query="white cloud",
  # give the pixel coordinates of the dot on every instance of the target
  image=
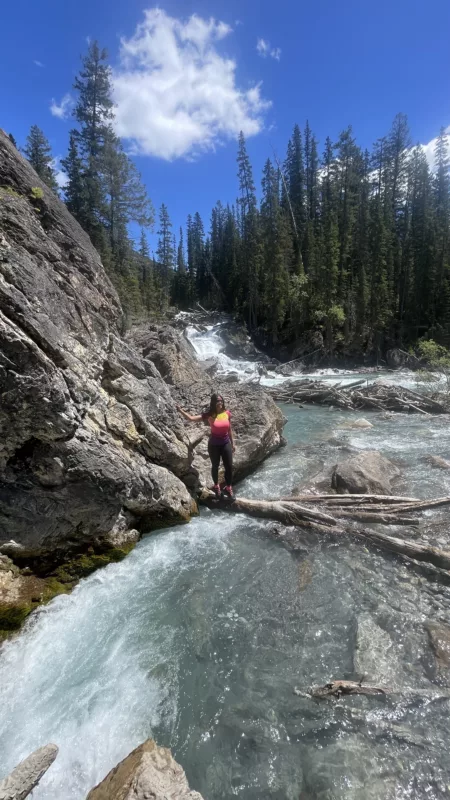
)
(175, 94)
(265, 50)
(38, 63)
(61, 177)
(62, 110)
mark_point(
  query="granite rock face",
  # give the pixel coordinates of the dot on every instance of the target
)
(257, 421)
(89, 436)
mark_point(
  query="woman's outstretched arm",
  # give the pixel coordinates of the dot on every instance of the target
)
(190, 417)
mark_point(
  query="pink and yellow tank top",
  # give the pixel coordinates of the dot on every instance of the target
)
(220, 427)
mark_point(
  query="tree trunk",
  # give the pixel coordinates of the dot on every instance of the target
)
(290, 512)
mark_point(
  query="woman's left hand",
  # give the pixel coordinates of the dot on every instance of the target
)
(233, 449)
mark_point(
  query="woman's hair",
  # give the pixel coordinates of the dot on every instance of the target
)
(213, 402)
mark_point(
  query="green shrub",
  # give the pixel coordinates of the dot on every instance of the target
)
(436, 373)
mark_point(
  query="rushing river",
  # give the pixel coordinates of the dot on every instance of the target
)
(199, 637)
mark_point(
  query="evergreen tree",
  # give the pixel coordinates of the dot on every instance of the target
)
(295, 179)
(93, 112)
(75, 189)
(250, 250)
(12, 139)
(165, 255)
(310, 254)
(125, 198)
(146, 276)
(180, 287)
(277, 246)
(39, 154)
(441, 207)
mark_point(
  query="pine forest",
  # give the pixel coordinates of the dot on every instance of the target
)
(349, 242)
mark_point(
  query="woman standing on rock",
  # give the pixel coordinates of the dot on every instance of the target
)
(220, 444)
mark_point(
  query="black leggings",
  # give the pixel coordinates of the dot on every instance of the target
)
(225, 451)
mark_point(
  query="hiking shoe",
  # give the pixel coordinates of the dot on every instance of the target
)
(228, 492)
(216, 489)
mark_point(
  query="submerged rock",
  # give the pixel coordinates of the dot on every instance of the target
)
(439, 636)
(148, 773)
(375, 655)
(437, 462)
(26, 776)
(362, 424)
(369, 472)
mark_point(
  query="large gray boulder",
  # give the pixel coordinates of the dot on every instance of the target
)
(90, 441)
(26, 776)
(148, 773)
(369, 472)
(257, 421)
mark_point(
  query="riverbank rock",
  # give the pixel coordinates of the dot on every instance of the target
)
(89, 436)
(369, 472)
(26, 776)
(292, 368)
(238, 343)
(310, 346)
(257, 421)
(400, 359)
(148, 773)
(257, 425)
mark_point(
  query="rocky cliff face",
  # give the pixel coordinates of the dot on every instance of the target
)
(91, 446)
(90, 443)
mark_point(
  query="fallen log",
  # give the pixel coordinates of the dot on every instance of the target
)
(338, 688)
(291, 513)
(424, 505)
(349, 499)
(361, 515)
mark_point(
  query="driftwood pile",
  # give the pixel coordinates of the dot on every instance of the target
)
(356, 396)
(340, 514)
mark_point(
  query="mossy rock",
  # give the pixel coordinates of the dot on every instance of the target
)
(12, 617)
(36, 591)
(81, 566)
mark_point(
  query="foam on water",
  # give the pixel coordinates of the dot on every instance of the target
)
(84, 674)
(208, 345)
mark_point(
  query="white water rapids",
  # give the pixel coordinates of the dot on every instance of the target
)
(199, 637)
(209, 345)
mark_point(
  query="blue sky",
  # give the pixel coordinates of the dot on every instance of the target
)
(184, 85)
